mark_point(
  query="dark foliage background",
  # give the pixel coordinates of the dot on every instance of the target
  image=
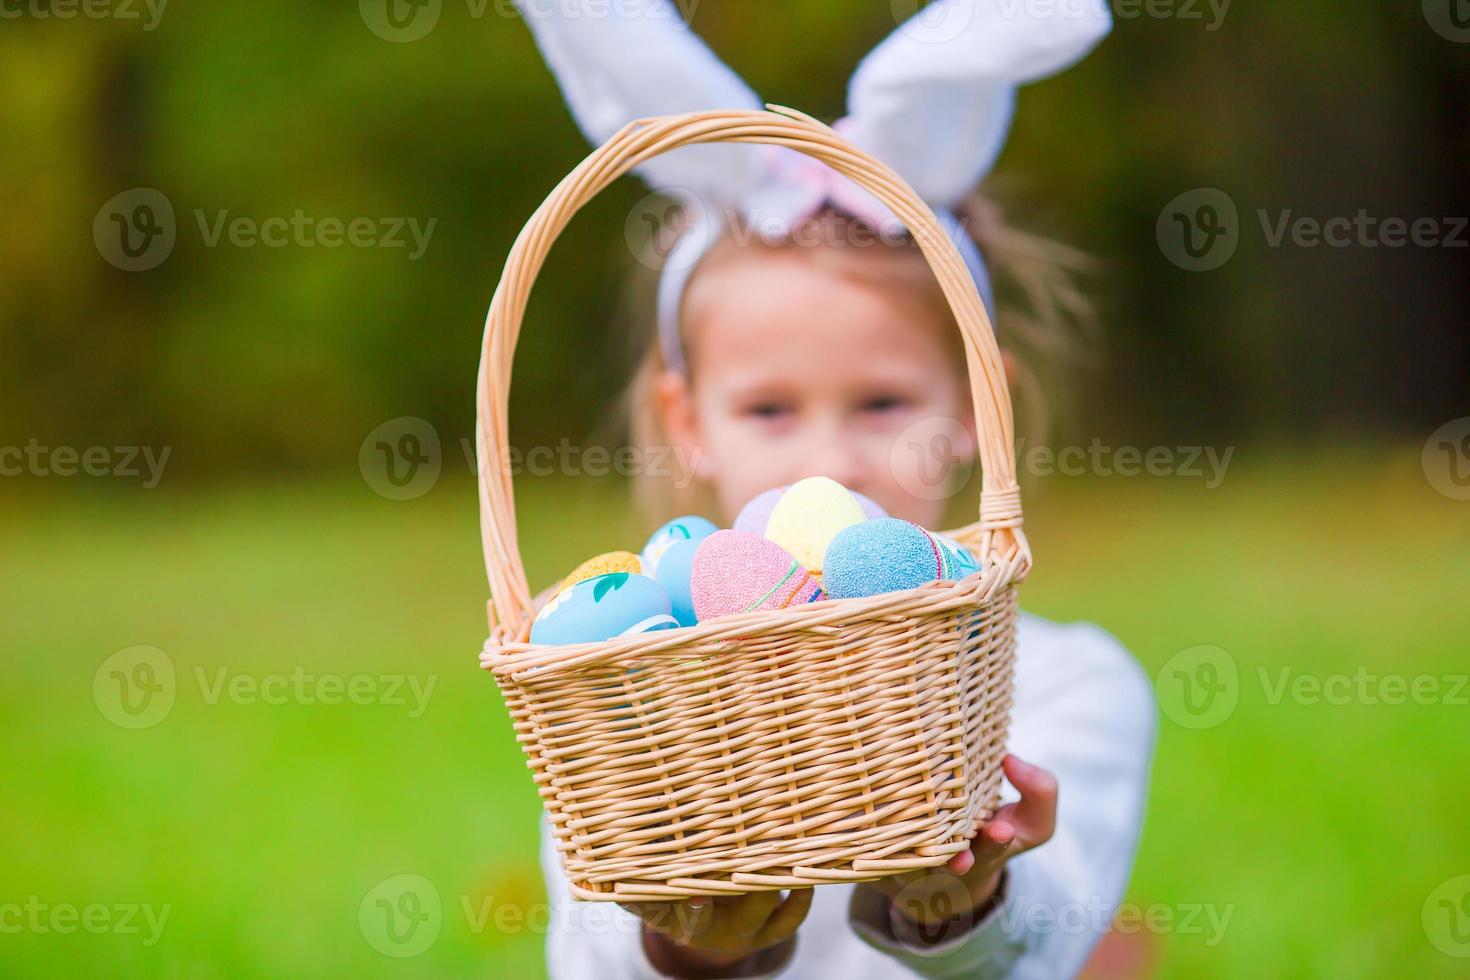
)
(281, 359)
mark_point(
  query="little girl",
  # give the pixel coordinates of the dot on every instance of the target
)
(800, 334)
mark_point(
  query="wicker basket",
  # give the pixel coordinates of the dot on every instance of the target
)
(843, 740)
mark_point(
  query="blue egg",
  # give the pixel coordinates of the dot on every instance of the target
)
(601, 608)
(673, 574)
(959, 562)
(882, 555)
(689, 528)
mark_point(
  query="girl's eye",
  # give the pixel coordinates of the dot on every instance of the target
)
(768, 410)
(885, 403)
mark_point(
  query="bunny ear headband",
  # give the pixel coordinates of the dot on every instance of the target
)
(933, 101)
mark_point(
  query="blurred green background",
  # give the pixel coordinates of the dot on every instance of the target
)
(1336, 545)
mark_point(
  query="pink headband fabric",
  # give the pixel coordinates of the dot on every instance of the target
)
(934, 101)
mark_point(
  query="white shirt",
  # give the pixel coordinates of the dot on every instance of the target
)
(1084, 710)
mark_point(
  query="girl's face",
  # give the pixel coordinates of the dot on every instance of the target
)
(798, 371)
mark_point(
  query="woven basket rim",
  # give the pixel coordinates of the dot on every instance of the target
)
(516, 659)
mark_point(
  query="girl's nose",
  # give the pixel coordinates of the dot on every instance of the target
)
(835, 454)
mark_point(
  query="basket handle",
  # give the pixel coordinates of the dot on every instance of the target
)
(998, 531)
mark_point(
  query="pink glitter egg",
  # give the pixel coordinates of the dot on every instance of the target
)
(740, 572)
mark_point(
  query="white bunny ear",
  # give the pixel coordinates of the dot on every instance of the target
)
(617, 62)
(934, 100)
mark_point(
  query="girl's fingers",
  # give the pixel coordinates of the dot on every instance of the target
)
(680, 921)
(1018, 826)
(995, 843)
(1033, 817)
(747, 914)
(783, 923)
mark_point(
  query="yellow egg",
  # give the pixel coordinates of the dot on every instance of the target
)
(613, 561)
(809, 515)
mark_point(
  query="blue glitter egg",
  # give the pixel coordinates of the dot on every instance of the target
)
(882, 555)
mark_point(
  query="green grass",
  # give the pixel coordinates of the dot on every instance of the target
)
(1322, 828)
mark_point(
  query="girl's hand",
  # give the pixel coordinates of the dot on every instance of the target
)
(933, 898)
(701, 936)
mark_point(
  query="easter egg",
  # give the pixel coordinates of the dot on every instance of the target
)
(960, 563)
(613, 561)
(809, 515)
(883, 555)
(738, 572)
(871, 508)
(601, 608)
(673, 574)
(754, 516)
(688, 528)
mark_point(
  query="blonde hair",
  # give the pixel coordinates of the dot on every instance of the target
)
(1044, 321)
